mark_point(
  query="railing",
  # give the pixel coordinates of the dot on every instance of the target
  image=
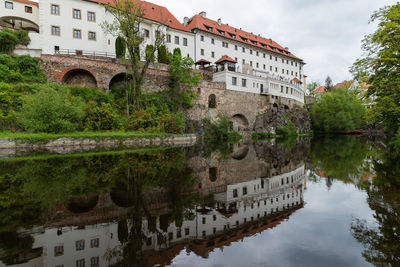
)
(76, 52)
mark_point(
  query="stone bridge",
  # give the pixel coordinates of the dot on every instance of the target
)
(213, 101)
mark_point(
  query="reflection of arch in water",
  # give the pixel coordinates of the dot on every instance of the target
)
(82, 204)
(19, 23)
(240, 152)
(80, 77)
(122, 198)
(119, 80)
(240, 123)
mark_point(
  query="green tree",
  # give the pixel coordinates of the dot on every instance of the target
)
(328, 84)
(312, 86)
(381, 64)
(150, 53)
(339, 110)
(162, 55)
(120, 47)
(128, 18)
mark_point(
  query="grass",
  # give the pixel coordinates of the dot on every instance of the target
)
(40, 137)
(262, 136)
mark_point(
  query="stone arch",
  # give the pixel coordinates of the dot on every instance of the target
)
(287, 107)
(275, 106)
(19, 23)
(119, 80)
(122, 198)
(80, 77)
(241, 152)
(82, 204)
(240, 123)
(212, 101)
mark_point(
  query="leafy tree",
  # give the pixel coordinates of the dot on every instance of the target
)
(150, 53)
(328, 84)
(10, 39)
(162, 55)
(339, 110)
(177, 51)
(381, 63)
(120, 47)
(181, 81)
(312, 86)
(128, 17)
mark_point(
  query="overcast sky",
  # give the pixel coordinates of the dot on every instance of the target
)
(326, 34)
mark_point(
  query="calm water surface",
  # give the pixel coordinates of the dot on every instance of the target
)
(326, 202)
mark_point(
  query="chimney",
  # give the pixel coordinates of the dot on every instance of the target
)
(219, 22)
(203, 14)
(185, 21)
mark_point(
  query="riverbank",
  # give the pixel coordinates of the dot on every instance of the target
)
(11, 143)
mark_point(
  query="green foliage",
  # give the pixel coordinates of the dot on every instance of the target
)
(217, 129)
(10, 39)
(262, 135)
(101, 117)
(181, 81)
(14, 69)
(381, 64)
(177, 51)
(312, 86)
(162, 56)
(286, 131)
(51, 111)
(395, 142)
(337, 111)
(120, 47)
(150, 53)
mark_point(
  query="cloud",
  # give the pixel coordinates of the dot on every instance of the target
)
(327, 34)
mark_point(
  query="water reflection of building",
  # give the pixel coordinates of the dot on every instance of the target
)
(243, 195)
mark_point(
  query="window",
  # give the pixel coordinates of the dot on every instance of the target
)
(9, 5)
(58, 250)
(264, 67)
(212, 103)
(264, 55)
(178, 233)
(91, 16)
(276, 69)
(251, 52)
(203, 220)
(80, 263)
(212, 172)
(276, 58)
(176, 40)
(202, 52)
(236, 59)
(212, 41)
(168, 38)
(77, 34)
(185, 42)
(287, 90)
(244, 81)
(244, 190)
(214, 217)
(251, 63)
(55, 30)
(94, 261)
(234, 81)
(257, 65)
(187, 231)
(270, 68)
(146, 33)
(235, 193)
(170, 236)
(283, 61)
(257, 54)
(94, 243)
(212, 54)
(243, 61)
(202, 38)
(236, 47)
(296, 74)
(28, 9)
(243, 49)
(283, 71)
(55, 9)
(270, 57)
(80, 245)
(76, 13)
(92, 36)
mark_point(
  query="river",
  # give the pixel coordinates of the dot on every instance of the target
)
(322, 202)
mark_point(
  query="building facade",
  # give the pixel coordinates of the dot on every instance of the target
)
(74, 27)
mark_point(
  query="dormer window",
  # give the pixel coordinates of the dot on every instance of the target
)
(208, 28)
(263, 45)
(221, 32)
(243, 38)
(254, 42)
(232, 35)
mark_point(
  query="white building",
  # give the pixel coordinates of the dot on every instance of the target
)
(258, 65)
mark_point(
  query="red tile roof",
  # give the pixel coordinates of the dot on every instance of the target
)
(320, 90)
(345, 84)
(153, 12)
(365, 85)
(211, 26)
(202, 61)
(225, 58)
(28, 2)
(296, 80)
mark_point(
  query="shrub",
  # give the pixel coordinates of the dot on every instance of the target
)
(150, 53)
(286, 131)
(15, 69)
(120, 47)
(10, 39)
(396, 142)
(51, 111)
(218, 129)
(162, 56)
(101, 117)
(177, 51)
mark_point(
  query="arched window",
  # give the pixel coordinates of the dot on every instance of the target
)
(212, 101)
(212, 174)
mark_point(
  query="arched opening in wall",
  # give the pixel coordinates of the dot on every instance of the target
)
(118, 84)
(82, 204)
(80, 77)
(275, 106)
(19, 23)
(212, 101)
(212, 174)
(240, 152)
(239, 123)
(286, 107)
(122, 198)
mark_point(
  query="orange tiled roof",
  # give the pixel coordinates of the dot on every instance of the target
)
(153, 12)
(211, 26)
(296, 80)
(320, 90)
(225, 58)
(345, 84)
(365, 85)
(28, 2)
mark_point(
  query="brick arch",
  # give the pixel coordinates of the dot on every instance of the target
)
(79, 76)
(115, 78)
(82, 204)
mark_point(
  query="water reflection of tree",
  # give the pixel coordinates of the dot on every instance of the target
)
(382, 243)
(340, 158)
